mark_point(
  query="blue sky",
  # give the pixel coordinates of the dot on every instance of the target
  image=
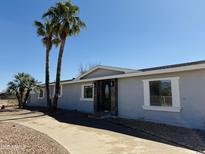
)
(125, 33)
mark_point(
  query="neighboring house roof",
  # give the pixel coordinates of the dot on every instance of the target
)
(123, 70)
(141, 72)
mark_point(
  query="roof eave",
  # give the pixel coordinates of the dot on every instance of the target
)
(152, 72)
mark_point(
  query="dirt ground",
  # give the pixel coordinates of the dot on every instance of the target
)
(9, 102)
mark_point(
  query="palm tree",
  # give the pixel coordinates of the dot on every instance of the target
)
(21, 86)
(45, 30)
(67, 23)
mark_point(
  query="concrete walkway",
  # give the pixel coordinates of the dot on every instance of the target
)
(82, 139)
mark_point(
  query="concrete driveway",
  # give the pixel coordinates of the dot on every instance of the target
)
(82, 135)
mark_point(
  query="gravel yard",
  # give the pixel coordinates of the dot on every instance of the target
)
(190, 138)
(18, 139)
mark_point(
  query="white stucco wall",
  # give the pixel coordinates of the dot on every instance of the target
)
(131, 100)
(70, 99)
(192, 99)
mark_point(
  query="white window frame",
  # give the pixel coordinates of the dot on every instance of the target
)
(176, 106)
(61, 91)
(43, 94)
(82, 93)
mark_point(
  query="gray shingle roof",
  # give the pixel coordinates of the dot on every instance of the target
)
(173, 66)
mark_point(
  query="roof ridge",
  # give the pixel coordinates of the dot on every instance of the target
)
(117, 67)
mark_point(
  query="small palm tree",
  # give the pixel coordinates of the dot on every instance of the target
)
(45, 30)
(67, 23)
(21, 86)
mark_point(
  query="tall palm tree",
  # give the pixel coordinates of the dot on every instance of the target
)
(67, 23)
(45, 30)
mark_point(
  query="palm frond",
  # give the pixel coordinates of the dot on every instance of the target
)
(56, 41)
(38, 24)
(41, 32)
(64, 19)
(50, 13)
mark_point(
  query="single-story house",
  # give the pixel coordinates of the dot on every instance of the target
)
(173, 94)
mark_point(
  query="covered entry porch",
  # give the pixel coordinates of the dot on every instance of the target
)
(106, 97)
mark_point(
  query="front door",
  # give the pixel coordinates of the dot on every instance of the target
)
(105, 96)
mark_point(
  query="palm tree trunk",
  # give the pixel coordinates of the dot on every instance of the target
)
(47, 77)
(58, 76)
(26, 98)
(18, 98)
(21, 97)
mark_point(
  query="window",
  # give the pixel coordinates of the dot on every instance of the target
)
(87, 92)
(61, 91)
(162, 94)
(41, 94)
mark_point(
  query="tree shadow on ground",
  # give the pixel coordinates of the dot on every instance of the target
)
(14, 111)
(21, 118)
(82, 119)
